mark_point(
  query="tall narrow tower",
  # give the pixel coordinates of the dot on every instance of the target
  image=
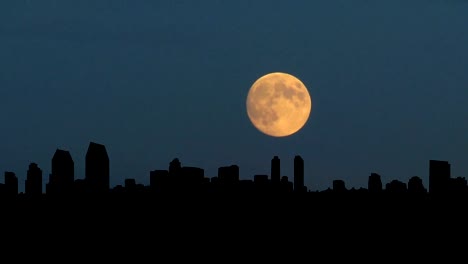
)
(298, 174)
(275, 170)
(97, 168)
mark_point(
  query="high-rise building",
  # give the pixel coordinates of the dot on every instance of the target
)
(97, 168)
(275, 170)
(63, 173)
(298, 174)
(11, 183)
(33, 183)
(439, 176)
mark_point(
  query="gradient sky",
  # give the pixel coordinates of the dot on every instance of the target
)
(156, 80)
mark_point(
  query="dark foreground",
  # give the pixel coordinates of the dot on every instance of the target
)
(309, 223)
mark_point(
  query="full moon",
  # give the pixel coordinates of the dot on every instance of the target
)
(278, 104)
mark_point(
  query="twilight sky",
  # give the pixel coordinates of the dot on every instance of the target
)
(156, 80)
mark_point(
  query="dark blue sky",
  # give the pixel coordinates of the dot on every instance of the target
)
(155, 80)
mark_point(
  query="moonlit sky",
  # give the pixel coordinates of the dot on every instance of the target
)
(156, 80)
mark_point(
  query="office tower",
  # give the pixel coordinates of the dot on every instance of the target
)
(33, 183)
(63, 173)
(374, 183)
(97, 168)
(298, 174)
(439, 176)
(11, 183)
(275, 170)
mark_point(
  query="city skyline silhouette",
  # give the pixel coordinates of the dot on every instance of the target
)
(182, 203)
(179, 179)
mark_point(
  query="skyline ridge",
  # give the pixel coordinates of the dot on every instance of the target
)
(62, 178)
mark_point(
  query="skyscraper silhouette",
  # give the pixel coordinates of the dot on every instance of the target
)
(439, 176)
(33, 183)
(97, 168)
(275, 170)
(298, 174)
(63, 173)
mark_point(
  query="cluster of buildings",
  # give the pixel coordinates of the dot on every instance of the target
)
(178, 179)
(62, 177)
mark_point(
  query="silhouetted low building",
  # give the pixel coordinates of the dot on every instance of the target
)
(457, 185)
(79, 186)
(286, 185)
(339, 186)
(374, 183)
(118, 189)
(261, 183)
(396, 186)
(228, 174)
(246, 186)
(159, 180)
(33, 183)
(130, 184)
(261, 179)
(11, 184)
(415, 185)
(192, 176)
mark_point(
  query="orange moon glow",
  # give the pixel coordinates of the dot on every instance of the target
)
(278, 104)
